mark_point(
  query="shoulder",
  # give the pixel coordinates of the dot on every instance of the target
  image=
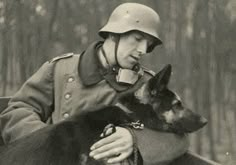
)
(63, 56)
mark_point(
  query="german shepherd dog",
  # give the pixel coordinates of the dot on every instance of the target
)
(68, 142)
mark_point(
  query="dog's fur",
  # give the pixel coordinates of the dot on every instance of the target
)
(68, 142)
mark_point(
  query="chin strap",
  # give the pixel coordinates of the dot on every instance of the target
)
(124, 76)
(105, 56)
(117, 41)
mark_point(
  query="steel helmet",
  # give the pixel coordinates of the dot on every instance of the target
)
(133, 16)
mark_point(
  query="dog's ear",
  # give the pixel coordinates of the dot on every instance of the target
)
(161, 79)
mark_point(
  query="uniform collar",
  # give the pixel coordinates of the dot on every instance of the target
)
(92, 72)
(90, 66)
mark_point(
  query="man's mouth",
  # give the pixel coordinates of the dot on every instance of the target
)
(135, 58)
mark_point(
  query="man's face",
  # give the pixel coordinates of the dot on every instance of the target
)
(132, 47)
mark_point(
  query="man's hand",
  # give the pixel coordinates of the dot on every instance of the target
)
(116, 147)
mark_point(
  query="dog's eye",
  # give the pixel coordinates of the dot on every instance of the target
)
(177, 103)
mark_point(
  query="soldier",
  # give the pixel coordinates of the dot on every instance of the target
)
(72, 83)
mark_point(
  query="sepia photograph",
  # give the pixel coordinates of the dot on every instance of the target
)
(117, 82)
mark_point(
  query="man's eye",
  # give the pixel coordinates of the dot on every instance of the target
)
(150, 44)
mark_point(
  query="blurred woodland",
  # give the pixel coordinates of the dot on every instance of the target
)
(199, 41)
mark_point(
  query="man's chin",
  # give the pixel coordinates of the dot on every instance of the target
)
(130, 66)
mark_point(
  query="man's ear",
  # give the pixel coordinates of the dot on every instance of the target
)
(161, 79)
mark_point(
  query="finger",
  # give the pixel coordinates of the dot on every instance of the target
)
(121, 157)
(104, 141)
(109, 146)
(123, 145)
(109, 153)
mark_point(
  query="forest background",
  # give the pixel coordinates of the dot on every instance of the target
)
(199, 41)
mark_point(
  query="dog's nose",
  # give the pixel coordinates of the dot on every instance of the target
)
(203, 120)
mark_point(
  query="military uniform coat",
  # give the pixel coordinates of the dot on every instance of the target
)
(66, 86)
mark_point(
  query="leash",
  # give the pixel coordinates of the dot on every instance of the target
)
(130, 126)
(137, 125)
(135, 146)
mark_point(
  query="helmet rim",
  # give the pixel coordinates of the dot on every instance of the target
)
(130, 17)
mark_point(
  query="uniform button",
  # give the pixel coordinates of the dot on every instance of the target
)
(66, 115)
(70, 79)
(67, 96)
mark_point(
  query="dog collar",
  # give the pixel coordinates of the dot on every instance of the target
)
(136, 124)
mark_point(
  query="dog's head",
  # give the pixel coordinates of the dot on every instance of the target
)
(167, 107)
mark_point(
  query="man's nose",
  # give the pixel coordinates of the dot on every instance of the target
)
(142, 47)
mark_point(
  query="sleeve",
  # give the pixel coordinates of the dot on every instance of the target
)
(160, 147)
(30, 107)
